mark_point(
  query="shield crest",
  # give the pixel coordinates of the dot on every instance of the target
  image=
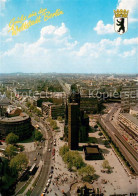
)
(121, 21)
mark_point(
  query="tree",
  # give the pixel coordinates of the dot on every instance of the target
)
(53, 124)
(77, 160)
(73, 159)
(63, 150)
(88, 170)
(6, 177)
(19, 162)
(32, 107)
(28, 104)
(67, 158)
(38, 135)
(10, 151)
(106, 143)
(59, 118)
(95, 126)
(38, 112)
(12, 138)
(100, 133)
(106, 165)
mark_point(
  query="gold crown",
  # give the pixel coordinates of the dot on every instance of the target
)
(121, 13)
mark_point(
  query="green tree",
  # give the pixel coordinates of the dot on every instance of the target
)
(73, 159)
(32, 107)
(67, 158)
(63, 150)
(100, 133)
(38, 135)
(19, 162)
(106, 165)
(28, 104)
(6, 177)
(59, 118)
(53, 124)
(77, 160)
(10, 151)
(88, 170)
(12, 138)
(38, 112)
(106, 143)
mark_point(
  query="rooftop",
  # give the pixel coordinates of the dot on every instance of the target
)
(91, 149)
(47, 103)
(21, 117)
(131, 118)
(4, 101)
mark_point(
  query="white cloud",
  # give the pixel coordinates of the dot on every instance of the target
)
(133, 20)
(4, 31)
(131, 41)
(9, 39)
(129, 53)
(52, 30)
(104, 29)
(56, 51)
(2, 3)
(51, 39)
(107, 47)
(130, 5)
(61, 30)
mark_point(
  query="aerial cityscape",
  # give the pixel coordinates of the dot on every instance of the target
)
(68, 134)
(68, 98)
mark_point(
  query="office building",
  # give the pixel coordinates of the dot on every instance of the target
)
(73, 125)
(129, 96)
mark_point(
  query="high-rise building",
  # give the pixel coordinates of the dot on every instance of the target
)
(129, 96)
(73, 125)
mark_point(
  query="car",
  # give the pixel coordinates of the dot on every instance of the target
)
(51, 171)
(47, 185)
(54, 144)
(35, 159)
(52, 167)
(49, 150)
(49, 180)
(45, 190)
(43, 194)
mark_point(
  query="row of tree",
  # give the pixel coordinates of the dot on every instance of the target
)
(12, 165)
(74, 160)
(53, 123)
(34, 109)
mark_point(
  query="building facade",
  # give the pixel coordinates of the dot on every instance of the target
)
(129, 96)
(19, 125)
(129, 123)
(73, 125)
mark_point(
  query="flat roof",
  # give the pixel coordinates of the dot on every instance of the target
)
(47, 103)
(131, 118)
(22, 117)
(5, 101)
(92, 150)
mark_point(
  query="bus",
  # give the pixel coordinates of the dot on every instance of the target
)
(32, 168)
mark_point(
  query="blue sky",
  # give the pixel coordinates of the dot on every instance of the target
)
(82, 40)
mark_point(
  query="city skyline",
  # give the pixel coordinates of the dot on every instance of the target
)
(81, 40)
